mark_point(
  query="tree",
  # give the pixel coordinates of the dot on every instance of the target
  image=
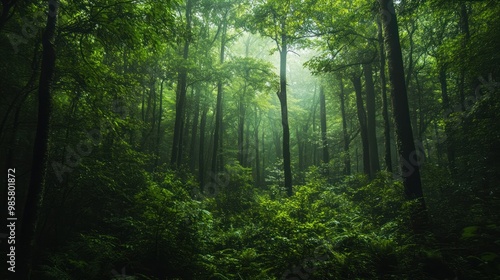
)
(401, 114)
(385, 105)
(345, 135)
(370, 117)
(360, 108)
(216, 157)
(285, 24)
(35, 192)
(322, 106)
(180, 105)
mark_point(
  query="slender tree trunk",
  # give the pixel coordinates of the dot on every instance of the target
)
(284, 114)
(438, 144)
(410, 54)
(257, 155)
(153, 96)
(34, 197)
(347, 158)
(385, 105)
(314, 144)
(356, 81)
(180, 105)
(404, 135)
(246, 154)
(322, 108)
(421, 126)
(218, 117)
(371, 122)
(201, 152)
(143, 106)
(194, 131)
(464, 29)
(263, 155)
(450, 148)
(216, 157)
(241, 127)
(300, 144)
(158, 127)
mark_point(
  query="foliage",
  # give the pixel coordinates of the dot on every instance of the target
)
(113, 207)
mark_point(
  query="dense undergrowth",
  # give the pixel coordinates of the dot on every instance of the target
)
(351, 229)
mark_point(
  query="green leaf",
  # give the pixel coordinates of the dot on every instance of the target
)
(489, 256)
(469, 232)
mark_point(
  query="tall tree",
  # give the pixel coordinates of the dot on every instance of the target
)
(286, 24)
(371, 120)
(216, 153)
(385, 105)
(282, 95)
(345, 135)
(180, 103)
(360, 108)
(36, 187)
(404, 135)
(322, 106)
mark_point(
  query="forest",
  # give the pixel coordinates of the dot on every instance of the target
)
(250, 139)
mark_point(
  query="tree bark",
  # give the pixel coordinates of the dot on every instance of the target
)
(300, 146)
(371, 121)
(34, 197)
(247, 154)
(180, 105)
(194, 131)
(356, 82)
(322, 107)
(284, 113)
(347, 158)
(404, 135)
(158, 127)
(450, 149)
(216, 157)
(257, 156)
(201, 152)
(241, 126)
(314, 143)
(385, 105)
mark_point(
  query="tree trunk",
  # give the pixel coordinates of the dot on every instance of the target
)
(371, 122)
(300, 146)
(246, 154)
(450, 149)
(34, 196)
(216, 155)
(385, 105)
(464, 29)
(284, 114)
(322, 109)
(356, 82)
(194, 132)
(263, 168)
(404, 135)
(201, 152)
(314, 146)
(257, 156)
(158, 128)
(347, 158)
(241, 127)
(180, 104)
